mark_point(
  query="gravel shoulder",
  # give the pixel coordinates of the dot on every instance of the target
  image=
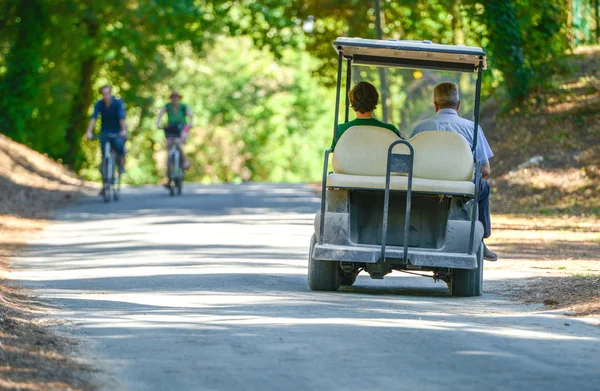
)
(552, 261)
(32, 355)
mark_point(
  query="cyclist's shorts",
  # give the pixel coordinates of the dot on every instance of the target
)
(173, 131)
(118, 144)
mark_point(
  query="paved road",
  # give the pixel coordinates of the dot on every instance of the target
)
(208, 292)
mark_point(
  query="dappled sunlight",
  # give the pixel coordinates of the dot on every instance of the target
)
(222, 278)
(204, 310)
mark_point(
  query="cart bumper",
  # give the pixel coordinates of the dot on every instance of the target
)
(394, 255)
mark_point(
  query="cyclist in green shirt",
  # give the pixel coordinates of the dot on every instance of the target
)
(363, 100)
(177, 128)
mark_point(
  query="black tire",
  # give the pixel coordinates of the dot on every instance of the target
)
(106, 195)
(105, 181)
(115, 186)
(322, 275)
(468, 283)
(179, 184)
(348, 279)
(172, 181)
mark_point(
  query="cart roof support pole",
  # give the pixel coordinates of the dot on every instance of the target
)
(337, 97)
(348, 82)
(477, 101)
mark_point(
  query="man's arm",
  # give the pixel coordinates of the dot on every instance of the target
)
(123, 128)
(484, 152)
(122, 120)
(89, 132)
(485, 170)
(90, 129)
(160, 115)
(188, 112)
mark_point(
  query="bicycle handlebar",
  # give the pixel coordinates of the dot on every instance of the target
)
(109, 136)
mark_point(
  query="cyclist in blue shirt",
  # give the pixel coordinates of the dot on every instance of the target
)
(112, 111)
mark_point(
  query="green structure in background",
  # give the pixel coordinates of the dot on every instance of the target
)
(585, 21)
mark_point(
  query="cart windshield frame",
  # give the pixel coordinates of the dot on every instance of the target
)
(407, 54)
(411, 54)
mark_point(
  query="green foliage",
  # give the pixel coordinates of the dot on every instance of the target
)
(256, 118)
(23, 75)
(262, 99)
(544, 38)
(505, 46)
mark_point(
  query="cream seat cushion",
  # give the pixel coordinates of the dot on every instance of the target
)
(401, 183)
(443, 162)
(442, 155)
(362, 150)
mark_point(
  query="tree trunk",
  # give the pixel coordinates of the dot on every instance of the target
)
(597, 13)
(82, 100)
(23, 63)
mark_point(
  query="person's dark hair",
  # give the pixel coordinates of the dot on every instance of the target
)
(103, 87)
(363, 97)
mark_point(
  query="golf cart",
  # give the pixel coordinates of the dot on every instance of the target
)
(393, 204)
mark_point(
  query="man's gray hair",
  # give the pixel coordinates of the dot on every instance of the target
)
(446, 95)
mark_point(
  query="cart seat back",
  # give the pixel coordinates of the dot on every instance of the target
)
(442, 156)
(362, 150)
(439, 155)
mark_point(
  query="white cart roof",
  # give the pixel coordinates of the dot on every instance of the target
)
(411, 54)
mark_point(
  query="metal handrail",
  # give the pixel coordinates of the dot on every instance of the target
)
(323, 195)
(348, 82)
(477, 101)
(406, 166)
(476, 204)
(337, 99)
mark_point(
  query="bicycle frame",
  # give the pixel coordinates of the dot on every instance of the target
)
(174, 159)
(110, 180)
(174, 170)
(109, 160)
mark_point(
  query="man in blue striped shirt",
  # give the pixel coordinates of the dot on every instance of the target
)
(446, 101)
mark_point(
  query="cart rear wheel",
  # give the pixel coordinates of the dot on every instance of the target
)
(322, 275)
(467, 283)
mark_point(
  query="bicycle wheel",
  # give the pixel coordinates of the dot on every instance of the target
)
(171, 173)
(179, 184)
(105, 180)
(116, 188)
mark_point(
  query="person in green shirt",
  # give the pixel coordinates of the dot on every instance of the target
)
(177, 128)
(363, 100)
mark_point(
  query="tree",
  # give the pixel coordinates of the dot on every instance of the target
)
(23, 63)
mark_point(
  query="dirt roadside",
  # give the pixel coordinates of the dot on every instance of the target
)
(547, 260)
(32, 357)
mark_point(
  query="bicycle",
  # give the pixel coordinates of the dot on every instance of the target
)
(111, 176)
(175, 171)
